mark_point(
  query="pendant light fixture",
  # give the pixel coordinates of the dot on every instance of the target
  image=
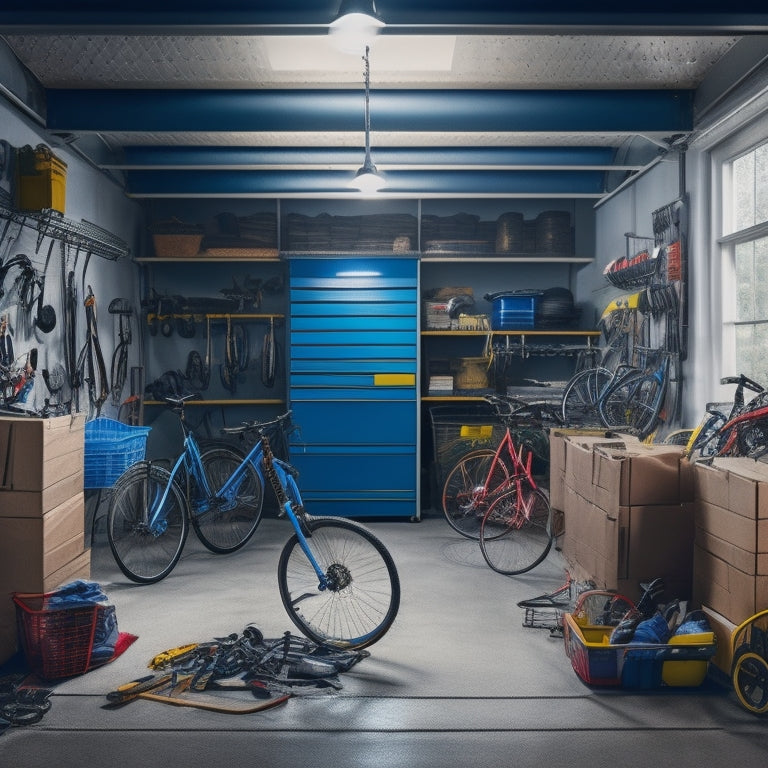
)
(356, 25)
(367, 178)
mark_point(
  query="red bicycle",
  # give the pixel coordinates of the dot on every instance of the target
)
(491, 495)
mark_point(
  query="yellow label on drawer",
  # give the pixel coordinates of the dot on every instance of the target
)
(394, 379)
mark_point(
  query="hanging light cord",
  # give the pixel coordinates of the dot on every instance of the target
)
(367, 106)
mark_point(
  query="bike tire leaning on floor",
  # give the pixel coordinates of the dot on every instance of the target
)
(363, 597)
(516, 537)
(465, 497)
(225, 525)
(145, 554)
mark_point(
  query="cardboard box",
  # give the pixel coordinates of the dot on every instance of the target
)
(723, 629)
(614, 474)
(558, 440)
(736, 484)
(634, 544)
(8, 639)
(726, 589)
(39, 503)
(729, 526)
(37, 453)
(26, 562)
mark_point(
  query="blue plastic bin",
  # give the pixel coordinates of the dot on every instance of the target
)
(110, 448)
(513, 313)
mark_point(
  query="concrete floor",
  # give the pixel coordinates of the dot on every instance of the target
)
(458, 681)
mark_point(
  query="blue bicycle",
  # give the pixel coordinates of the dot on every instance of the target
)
(338, 582)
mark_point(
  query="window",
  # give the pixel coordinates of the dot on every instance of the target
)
(745, 246)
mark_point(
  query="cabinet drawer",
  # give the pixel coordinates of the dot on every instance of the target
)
(360, 507)
(371, 475)
(354, 423)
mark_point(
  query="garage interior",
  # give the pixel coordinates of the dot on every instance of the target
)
(211, 122)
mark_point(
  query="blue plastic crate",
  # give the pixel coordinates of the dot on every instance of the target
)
(110, 448)
(510, 313)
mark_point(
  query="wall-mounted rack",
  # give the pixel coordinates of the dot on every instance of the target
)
(86, 237)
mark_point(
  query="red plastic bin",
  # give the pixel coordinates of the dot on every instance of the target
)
(57, 641)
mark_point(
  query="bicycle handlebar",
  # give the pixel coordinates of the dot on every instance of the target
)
(743, 381)
(257, 426)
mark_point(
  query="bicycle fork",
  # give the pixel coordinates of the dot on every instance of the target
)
(280, 480)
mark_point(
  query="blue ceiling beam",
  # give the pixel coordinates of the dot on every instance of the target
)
(200, 183)
(399, 15)
(169, 157)
(230, 110)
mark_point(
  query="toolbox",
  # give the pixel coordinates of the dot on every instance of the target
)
(41, 179)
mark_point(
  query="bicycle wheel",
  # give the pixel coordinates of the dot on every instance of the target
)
(465, 494)
(363, 594)
(752, 437)
(581, 395)
(703, 440)
(750, 680)
(633, 404)
(515, 536)
(224, 525)
(146, 551)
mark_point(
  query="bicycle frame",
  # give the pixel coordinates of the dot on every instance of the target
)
(731, 429)
(519, 470)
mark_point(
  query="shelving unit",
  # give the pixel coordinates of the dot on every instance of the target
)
(563, 343)
(168, 277)
(336, 357)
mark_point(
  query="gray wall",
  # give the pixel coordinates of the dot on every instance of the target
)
(95, 198)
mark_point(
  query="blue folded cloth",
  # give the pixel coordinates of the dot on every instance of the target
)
(653, 630)
(84, 593)
(77, 592)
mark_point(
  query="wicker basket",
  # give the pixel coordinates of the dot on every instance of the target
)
(176, 246)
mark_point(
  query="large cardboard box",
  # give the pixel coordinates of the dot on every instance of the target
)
(731, 536)
(628, 473)
(635, 544)
(728, 590)
(628, 512)
(558, 440)
(38, 453)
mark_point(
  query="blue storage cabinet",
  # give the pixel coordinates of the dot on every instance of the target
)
(352, 384)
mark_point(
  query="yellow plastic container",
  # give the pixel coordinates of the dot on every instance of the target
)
(693, 671)
(41, 179)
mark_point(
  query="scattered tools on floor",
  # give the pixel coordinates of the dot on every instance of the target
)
(268, 671)
(21, 704)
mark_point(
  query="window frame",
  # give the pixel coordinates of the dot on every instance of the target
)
(742, 142)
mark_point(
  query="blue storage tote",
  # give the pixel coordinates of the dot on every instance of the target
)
(514, 312)
(110, 448)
